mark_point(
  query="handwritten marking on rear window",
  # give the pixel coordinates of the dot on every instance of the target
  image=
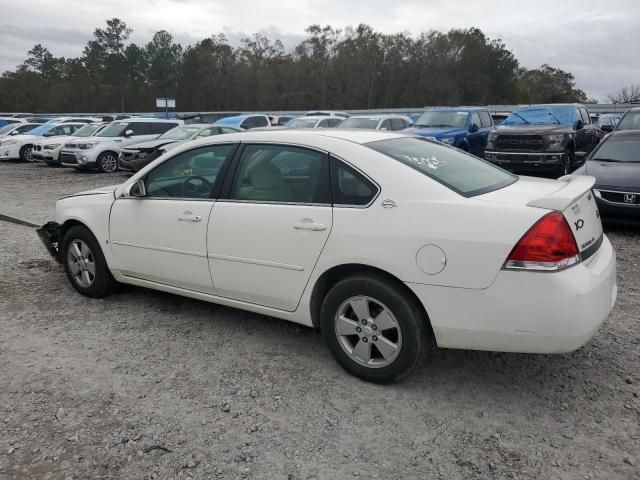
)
(430, 162)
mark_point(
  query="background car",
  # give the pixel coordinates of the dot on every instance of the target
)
(10, 120)
(615, 163)
(606, 122)
(48, 149)
(20, 147)
(318, 121)
(630, 120)
(466, 128)
(139, 155)
(246, 122)
(376, 122)
(16, 128)
(74, 120)
(101, 151)
(543, 139)
(329, 113)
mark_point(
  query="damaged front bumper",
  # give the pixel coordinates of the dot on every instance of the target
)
(49, 234)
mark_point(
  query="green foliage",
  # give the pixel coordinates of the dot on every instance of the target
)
(331, 68)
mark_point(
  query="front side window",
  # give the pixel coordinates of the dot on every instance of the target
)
(585, 116)
(485, 119)
(386, 125)
(280, 173)
(207, 132)
(461, 172)
(190, 174)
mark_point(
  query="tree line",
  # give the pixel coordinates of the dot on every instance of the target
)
(351, 68)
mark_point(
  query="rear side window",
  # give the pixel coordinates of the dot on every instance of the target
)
(461, 172)
(349, 187)
(398, 124)
(485, 119)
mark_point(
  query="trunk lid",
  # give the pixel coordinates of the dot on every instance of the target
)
(571, 195)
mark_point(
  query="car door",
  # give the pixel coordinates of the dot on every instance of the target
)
(582, 133)
(161, 237)
(475, 139)
(593, 131)
(270, 225)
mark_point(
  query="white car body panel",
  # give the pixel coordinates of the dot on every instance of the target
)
(248, 255)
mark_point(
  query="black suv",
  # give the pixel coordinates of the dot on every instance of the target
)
(543, 139)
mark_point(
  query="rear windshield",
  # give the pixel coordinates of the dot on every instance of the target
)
(461, 172)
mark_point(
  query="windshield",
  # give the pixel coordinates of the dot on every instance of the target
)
(354, 122)
(301, 123)
(631, 121)
(551, 115)
(179, 133)
(114, 129)
(459, 171)
(618, 151)
(42, 129)
(86, 131)
(442, 119)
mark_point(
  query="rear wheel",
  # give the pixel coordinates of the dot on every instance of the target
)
(373, 328)
(107, 162)
(84, 263)
(26, 153)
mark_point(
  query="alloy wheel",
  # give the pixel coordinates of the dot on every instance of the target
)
(28, 154)
(82, 263)
(109, 163)
(368, 332)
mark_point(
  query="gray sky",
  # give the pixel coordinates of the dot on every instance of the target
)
(595, 40)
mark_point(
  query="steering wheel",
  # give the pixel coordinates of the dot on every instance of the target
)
(200, 188)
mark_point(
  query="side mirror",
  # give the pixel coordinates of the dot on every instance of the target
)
(474, 128)
(136, 189)
(128, 133)
(14, 132)
(607, 128)
(579, 125)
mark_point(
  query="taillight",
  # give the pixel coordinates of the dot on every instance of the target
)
(548, 245)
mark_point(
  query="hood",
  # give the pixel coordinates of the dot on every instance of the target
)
(532, 129)
(435, 132)
(613, 174)
(20, 138)
(95, 191)
(52, 140)
(152, 144)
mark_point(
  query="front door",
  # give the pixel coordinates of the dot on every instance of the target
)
(270, 225)
(161, 237)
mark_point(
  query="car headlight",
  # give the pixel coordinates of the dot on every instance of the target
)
(555, 141)
(448, 140)
(51, 146)
(87, 146)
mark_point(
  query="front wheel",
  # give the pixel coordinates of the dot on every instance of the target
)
(26, 153)
(567, 163)
(107, 162)
(84, 263)
(373, 328)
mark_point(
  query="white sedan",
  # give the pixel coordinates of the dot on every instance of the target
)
(385, 241)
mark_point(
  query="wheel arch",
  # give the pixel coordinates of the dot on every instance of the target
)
(336, 273)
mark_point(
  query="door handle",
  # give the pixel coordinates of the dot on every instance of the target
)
(187, 217)
(315, 227)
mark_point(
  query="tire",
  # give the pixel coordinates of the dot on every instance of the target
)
(25, 153)
(386, 305)
(107, 162)
(84, 263)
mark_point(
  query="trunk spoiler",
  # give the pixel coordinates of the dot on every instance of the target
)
(576, 185)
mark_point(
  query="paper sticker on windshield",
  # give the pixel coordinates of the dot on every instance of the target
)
(461, 113)
(429, 162)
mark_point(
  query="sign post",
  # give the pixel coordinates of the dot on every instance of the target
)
(166, 103)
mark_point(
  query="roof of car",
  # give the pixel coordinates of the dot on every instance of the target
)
(459, 109)
(353, 135)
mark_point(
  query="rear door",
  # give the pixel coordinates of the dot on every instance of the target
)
(270, 225)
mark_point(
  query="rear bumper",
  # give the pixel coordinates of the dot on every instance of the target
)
(50, 236)
(528, 312)
(9, 152)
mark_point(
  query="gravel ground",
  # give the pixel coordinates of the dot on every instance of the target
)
(145, 384)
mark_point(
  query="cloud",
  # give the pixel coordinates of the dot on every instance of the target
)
(594, 40)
